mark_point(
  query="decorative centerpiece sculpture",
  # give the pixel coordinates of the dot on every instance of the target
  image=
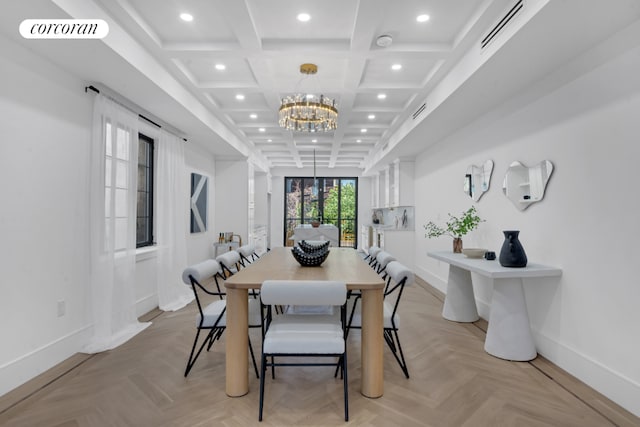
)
(310, 255)
(314, 246)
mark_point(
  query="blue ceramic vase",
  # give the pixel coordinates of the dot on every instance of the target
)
(512, 253)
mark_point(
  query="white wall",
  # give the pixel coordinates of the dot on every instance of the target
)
(586, 321)
(277, 198)
(44, 155)
(45, 119)
(200, 245)
(231, 199)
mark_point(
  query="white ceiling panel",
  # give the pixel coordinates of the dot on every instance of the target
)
(261, 45)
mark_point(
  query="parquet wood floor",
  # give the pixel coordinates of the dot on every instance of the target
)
(454, 382)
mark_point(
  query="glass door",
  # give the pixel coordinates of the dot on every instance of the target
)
(332, 201)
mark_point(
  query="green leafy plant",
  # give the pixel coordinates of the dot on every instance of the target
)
(456, 227)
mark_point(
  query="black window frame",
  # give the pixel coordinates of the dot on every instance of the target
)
(149, 165)
(321, 184)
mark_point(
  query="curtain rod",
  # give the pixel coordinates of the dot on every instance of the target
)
(96, 90)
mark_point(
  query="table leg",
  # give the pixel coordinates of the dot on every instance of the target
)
(509, 333)
(372, 345)
(237, 353)
(460, 302)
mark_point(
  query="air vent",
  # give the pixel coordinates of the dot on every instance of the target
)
(419, 110)
(508, 17)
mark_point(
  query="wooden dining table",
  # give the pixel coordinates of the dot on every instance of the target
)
(343, 264)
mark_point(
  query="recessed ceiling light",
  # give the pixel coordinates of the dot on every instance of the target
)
(187, 17)
(240, 97)
(303, 17)
(382, 96)
(261, 129)
(422, 18)
(221, 67)
(314, 140)
(396, 67)
(310, 96)
(253, 116)
(358, 141)
(269, 140)
(363, 130)
(371, 116)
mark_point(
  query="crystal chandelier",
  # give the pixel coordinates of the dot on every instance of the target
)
(307, 112)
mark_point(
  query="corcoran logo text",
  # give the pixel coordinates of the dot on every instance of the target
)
(64, 28)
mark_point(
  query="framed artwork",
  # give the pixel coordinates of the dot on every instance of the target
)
(199, 191)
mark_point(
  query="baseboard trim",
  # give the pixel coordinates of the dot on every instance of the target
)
(146, 304)
(23, 376)
(618, 398)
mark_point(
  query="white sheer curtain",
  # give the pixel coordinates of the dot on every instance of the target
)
(172, 201)
(114, 165)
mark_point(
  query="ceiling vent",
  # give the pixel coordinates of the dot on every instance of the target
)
(502, 23)
(419, 110)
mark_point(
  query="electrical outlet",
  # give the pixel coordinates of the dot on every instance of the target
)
(62, 308)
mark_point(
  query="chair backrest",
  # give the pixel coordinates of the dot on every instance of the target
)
(373, 251)
(229, 260)
(398, 272)
(382, 259)
(195, 275)
(200, 271)
(246, 250)
(398, 277)
(303, 292)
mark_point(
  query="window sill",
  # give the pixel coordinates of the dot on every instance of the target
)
(146, 252)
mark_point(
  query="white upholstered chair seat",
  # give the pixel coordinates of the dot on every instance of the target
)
(213, 310)
(304, 334)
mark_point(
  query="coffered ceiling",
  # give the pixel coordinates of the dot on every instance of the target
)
(261, 44)
(191, 74)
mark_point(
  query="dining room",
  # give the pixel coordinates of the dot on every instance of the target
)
(504, 128)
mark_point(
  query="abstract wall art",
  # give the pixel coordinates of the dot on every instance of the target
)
(199, 190)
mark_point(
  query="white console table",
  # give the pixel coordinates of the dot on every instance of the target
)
(509, 332)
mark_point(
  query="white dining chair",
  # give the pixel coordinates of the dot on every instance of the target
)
(247, 254)
(230, 262)
(212, 317)
(382, 259)
(373, 251)
(303, 336)
(398, 276)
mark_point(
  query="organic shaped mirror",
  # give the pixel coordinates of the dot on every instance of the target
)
(476, 180)
(523, 185)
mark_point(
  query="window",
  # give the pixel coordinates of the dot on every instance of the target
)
(144, 210)
(335, 202)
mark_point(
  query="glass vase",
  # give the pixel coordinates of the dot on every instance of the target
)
(457, 245)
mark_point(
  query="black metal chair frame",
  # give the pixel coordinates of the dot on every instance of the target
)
(215, 331)
(390, 334)
(341, 364)
(254, 256)
(226, 271)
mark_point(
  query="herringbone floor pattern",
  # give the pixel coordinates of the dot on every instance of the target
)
(453, 383)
